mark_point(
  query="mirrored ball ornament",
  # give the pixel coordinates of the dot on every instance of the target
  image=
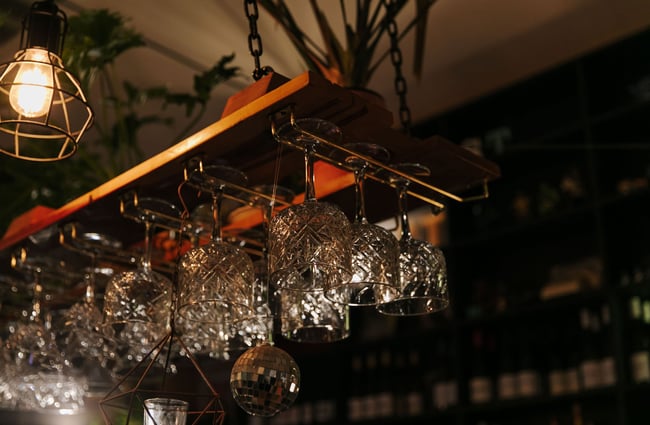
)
(265, 380)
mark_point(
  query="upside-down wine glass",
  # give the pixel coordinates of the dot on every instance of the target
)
(375, 250)
(423, 271)
(83, 340)
(216, 279)
(269, 196)
(309, 250)
(42, 379)
(7, 373)
(138, 303)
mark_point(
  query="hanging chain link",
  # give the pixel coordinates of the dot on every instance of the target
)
(254, 39)
(396, 60)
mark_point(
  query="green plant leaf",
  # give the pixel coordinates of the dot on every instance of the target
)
(354, 63)
(95, 38)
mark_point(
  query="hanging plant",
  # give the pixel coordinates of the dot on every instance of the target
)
(351, 63)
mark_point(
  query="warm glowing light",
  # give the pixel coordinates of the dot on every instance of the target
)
(31, 95)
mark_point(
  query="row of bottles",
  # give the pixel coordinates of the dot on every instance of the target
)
(322, 411)
(573, 414)
(401, 382)
(568, 353)
(563, 357)
(384, 384)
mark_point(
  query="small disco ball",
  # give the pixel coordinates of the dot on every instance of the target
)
(265, 380)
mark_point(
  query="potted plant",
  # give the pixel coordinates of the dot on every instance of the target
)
(351, 63)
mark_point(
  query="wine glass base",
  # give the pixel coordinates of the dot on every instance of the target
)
(413, 306)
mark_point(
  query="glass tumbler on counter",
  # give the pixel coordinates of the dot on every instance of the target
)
(165, 411)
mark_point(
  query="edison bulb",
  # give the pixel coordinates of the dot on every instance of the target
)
(31, 94)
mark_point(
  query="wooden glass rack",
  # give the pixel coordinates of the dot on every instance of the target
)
(242, 138)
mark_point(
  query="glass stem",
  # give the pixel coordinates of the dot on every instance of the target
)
(310, 192)
(267, 212)
(90, 281)
(145, 261)
(37, 298)
(217, 197)
(360, 203)
(403, 210)
(90, 288)
(263, 286)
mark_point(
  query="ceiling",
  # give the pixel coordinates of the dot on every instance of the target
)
(473, 46)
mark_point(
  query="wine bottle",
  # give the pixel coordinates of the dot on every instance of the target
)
(607, 361)
(506, 379)
(384, 399)
(639, 326)
(590, 361)
(557, 354)
(450, 376)
(370, 394)
(439, 362)
(445, 385)
(571, 373)
(414, 396)
(400, 401)
(480, 383)
(528, 378)
(356, 396)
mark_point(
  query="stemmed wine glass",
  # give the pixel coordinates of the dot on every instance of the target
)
(138, 303)
(309, 250)
(42, 379)
(7, 396)
(216, 279)
(81, 336)
(375, 250)
(265, 198)
(423, 271)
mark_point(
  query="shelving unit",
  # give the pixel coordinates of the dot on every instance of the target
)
(584, 122)
(594, 136)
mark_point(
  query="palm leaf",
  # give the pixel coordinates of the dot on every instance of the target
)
(355, 62)
(315, 58)
(336, 54)
(422, 9)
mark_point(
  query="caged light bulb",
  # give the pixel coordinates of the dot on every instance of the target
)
(31, 94)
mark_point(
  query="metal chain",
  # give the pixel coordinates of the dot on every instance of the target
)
(254, 39)
(396, 60)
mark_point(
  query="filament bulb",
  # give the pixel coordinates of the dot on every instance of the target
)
(31, 94)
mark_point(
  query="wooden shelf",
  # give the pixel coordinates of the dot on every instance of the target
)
(242, 138)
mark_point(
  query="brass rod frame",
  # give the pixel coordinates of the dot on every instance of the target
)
(378, 164)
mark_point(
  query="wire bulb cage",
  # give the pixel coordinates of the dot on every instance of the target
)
(43, 110)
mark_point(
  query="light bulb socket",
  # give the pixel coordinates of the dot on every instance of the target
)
(44, 27)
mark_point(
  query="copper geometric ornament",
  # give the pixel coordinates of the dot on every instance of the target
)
(147, 380)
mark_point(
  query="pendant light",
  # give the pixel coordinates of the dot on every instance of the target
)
(43, 111)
